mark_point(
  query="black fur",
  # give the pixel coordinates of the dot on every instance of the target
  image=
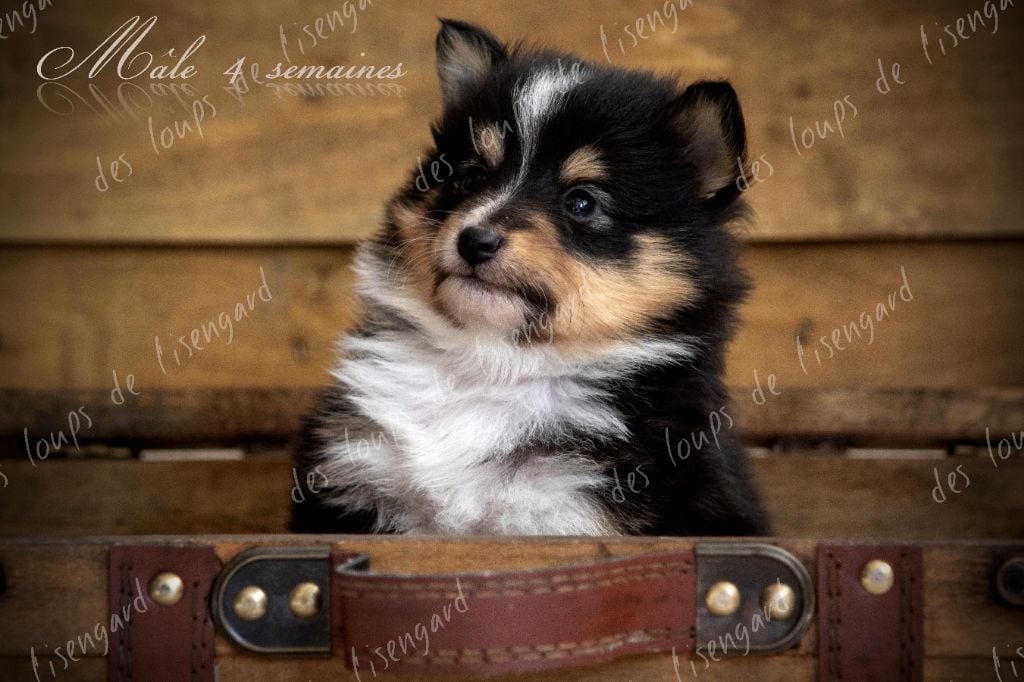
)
(670, 175)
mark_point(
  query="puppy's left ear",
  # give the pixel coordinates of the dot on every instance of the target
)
(465, 55)
(709, 118)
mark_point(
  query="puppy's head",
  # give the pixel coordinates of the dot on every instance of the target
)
(585, 199)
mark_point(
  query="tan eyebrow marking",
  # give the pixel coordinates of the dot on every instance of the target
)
(584, 164)
(489, 143)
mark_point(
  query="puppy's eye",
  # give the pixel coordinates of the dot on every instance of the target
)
(580, 203)
(471, 180)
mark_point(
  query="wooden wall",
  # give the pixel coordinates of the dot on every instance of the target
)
(924, 180)
(940, 155)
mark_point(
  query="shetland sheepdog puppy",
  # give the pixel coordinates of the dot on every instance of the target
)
(544, 314)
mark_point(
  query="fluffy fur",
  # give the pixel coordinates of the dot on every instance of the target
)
(545, 315)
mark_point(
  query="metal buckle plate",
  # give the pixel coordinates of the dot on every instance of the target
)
(753, 621)
(275, 572)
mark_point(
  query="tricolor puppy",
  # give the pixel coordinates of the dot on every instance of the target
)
(545, 314)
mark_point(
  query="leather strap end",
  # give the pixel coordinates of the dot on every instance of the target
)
(154, 642)
(863, 635)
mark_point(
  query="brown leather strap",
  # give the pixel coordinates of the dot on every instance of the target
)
(864, 636)
(154, 643)
(511, 622)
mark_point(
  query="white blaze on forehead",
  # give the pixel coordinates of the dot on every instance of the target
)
(542, 94)
(534, 101)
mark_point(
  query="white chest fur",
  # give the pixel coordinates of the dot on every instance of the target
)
(455, 422)
(452, 452)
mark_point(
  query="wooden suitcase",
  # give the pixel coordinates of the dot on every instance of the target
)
(136, 484)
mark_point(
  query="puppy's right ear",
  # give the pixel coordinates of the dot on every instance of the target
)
(465, 55)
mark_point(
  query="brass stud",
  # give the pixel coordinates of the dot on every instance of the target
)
(166, 588)
(778, 601)
(723, 599)
(877, 577)
(251, 603)
(304, 600)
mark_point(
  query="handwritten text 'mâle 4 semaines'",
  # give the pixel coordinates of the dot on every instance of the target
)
(123, 44)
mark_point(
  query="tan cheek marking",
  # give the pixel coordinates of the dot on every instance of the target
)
(597, 305)
(536, 255)
(584, 164)
(416, 247)
(620, 303)
(427, 245)
(489, 142)
(446, 237)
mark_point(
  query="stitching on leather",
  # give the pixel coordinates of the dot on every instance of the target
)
(489, 593)
(916, 610)
(126, 586)
(903, 615)
(195, 662)
(908, 614)
(200, 639)
(202, 642)
(124, 642)
(559, 583)
(833, 616)
(682, 566)
(538, 651)
(545, 586)
(206, 634)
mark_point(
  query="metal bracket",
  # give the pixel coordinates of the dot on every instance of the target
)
(276, 600)
(750, 597)
(1010, 581)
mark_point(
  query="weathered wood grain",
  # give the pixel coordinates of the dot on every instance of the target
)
(73, 316)
(962, 585)
(939, 155)
(854, 499)
(215, 417)
(76, 498)
(886, 417)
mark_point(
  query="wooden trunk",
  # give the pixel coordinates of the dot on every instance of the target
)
(906, 432)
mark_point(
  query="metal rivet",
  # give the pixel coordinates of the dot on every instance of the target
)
(251, 603)
(778, 601)
(1010, 581)
(304, 600)
(877, 576)
(166, 588)
(723, 599)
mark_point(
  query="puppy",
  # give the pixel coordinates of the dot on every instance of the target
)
(545, 314)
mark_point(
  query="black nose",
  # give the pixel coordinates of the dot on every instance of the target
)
(478, 244)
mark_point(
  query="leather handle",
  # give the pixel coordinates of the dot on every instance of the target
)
(490, 623)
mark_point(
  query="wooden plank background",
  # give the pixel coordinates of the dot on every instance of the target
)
(947, 420)
(924, 180)
(942, 154)
(74, 315)
(89, 280)
(88, 498)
